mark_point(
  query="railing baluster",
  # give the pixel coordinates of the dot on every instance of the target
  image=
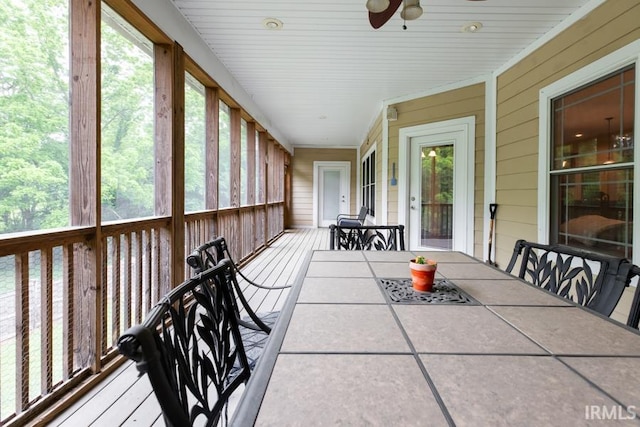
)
(46, 322)
(115, 289)
(146, 270)
(68, 299)
(22, 331)
(138, 280)
(103, 310)
(128, 292)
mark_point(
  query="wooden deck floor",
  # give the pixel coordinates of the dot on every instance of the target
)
(124, 399)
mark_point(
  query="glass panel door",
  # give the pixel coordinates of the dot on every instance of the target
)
(436, 205)
(432, 195)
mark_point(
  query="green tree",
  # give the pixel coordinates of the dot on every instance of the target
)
(224, 158)
(127, 147)
(33, 115)
(194, 157)
(444, 174)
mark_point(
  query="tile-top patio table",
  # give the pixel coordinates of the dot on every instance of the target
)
(347, 350)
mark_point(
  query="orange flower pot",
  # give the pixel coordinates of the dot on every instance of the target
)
(422, 275)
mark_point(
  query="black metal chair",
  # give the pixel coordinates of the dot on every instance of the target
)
(634, 313)
(211, 253)
(190, 347)
(367, 237)
(592, 280)
(350, 220)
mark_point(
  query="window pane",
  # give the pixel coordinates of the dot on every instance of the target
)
(368, 188)
(127, 148)
(194, 145)
(594, 125)
(260, 172)
(224, 163)
(243, 162)
(594, 211)
(34, 124)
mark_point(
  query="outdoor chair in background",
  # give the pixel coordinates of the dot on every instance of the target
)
(592, 280)
(351, 220)
(367, 237)
(190, 347)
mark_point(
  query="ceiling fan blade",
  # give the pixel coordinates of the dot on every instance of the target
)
(377, 20)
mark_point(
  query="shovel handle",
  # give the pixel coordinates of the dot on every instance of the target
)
(492, 210)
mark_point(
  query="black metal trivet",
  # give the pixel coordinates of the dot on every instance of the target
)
(444, 292)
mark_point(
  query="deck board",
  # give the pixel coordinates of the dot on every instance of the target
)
(125, 399)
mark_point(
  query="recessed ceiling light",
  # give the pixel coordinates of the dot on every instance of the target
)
(578, 135)
(472, 27)
(272, 23)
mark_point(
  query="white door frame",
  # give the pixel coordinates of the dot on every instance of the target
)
(463, 181)
(316, 185)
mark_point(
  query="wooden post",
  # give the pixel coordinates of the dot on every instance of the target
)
(169, 156)
(212, 108)
(84, 179)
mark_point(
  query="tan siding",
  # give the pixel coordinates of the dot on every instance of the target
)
(523, 148)
(302, 180)
(609, 27)
(454, 104)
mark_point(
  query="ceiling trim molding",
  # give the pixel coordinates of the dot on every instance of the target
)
(440, 89)
(332, 147)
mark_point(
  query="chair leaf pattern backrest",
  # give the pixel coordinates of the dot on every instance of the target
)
(198, 358)
(563, 275)
(367, 238)
(592, 279)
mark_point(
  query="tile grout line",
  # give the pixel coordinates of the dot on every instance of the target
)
(416, 356)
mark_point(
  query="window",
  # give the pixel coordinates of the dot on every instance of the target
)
(194, 145)
(592, 173)
(244, 176)
(260, 169)
(369, 182)
(224, 153)
(127, 117)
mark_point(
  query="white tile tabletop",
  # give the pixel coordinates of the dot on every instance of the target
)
(342, 353)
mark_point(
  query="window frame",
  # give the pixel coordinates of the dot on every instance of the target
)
(624, 57)
(371, 180)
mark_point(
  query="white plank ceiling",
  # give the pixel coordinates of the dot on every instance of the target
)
(322, 78)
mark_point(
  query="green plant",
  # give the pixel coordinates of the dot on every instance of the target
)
(420, 260)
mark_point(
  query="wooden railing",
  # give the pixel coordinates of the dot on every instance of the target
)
(437, 220)
(59, 323)
(247, 229)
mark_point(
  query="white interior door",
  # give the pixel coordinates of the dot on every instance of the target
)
(331, 185)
